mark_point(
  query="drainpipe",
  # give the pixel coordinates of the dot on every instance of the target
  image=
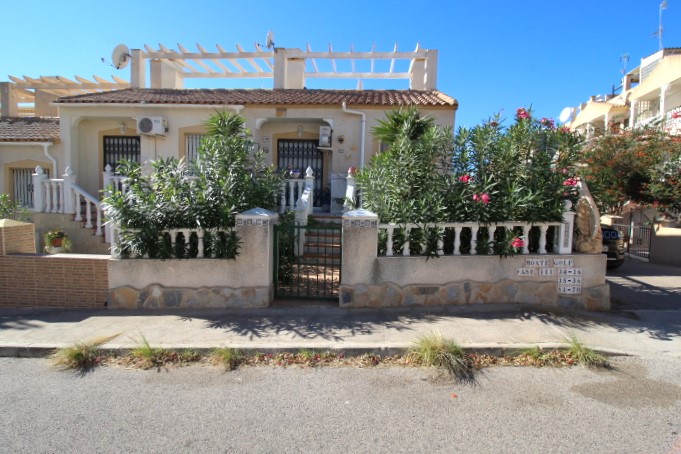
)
(47, 145)
(364, 125)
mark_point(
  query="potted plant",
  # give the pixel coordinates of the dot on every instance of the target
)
(57, 241)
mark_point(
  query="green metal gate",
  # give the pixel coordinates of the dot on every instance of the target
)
(307, 261)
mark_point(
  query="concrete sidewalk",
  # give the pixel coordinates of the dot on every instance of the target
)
(35, 332)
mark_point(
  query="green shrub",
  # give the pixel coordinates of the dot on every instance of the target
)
(226, 179)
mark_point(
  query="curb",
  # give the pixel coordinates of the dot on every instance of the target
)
(492, 350)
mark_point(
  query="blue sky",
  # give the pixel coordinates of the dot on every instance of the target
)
(494, 56)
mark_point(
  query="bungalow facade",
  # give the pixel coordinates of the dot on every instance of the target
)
(102, 122)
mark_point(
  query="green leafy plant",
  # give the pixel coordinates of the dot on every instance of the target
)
(434, 350)
(10, 209)
(485, 174)
(640, 165)
(82, 355)
(584, 355)
(230, 358)
(227, 178)
(149, 356)
(57, 240)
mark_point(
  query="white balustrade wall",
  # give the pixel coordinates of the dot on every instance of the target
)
(64, 196)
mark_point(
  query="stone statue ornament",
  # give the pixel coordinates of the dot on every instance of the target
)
(587, 237)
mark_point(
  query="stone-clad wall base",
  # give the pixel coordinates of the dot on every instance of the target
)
(159, 297)
(461, 293)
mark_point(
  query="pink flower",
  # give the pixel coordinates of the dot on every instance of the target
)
(485, 198)
(476, 197)
(465, 178)
(570, 182)
(564, 129)
(547, 122)
(517, 243)
(564, 171)
(522, 114)
(676, 115)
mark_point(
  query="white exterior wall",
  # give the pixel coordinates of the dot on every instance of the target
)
(25, 156)
(84, 126)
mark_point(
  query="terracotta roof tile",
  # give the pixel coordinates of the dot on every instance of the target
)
(29, 129)
(264, 96)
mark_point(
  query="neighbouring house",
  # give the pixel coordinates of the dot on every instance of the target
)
(650, 94)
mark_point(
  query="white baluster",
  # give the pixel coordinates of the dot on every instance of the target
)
(282, 206)
(38, 189)
(78, 208)
(490, 236)
(199, 234)
(526, 234)
(88, 215)
(542, 238)
(405, 246)
(440, 243)
(457, 240)
(389, 244)
(474, 239)
(291, 194)
(48, 196)
(98, 232)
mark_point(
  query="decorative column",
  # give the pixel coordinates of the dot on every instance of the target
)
(39, 178)
(255, 229)
(663, 110)
(632, 113)
(69, 195)
(360, 248)
(564, 240)
(349, 190)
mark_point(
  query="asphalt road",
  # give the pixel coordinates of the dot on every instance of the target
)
(203, 409)
(643, 286)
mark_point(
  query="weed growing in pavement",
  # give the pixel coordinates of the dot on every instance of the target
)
(82, 355)
(230, 358)
(584, 355)
(435, 350)
(148, 357)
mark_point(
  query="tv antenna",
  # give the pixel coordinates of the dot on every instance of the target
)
(660, 29)
(624, 59)
(269, 40)
(120, 57)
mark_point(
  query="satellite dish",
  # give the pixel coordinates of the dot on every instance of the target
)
(566, 114)
(270, 40)
(120, 56)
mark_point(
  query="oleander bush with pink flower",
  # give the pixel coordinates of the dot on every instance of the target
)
(489, 173)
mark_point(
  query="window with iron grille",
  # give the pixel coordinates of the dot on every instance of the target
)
(119, 148)
(22, 184)
(192, 144)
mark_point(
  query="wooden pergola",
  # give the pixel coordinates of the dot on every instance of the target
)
(287, 66)
(28, 96)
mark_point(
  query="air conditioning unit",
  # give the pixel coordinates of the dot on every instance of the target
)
(152, 126)
(325, 136)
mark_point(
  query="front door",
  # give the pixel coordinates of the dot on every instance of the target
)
(119, 148)
(301, 154)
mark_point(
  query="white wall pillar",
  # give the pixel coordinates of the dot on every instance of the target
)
(69, 196)
(663, 97)
(8, 100)
(360, 247)
(39, 190)
(566, 229)
(137, 70)
(632, 113)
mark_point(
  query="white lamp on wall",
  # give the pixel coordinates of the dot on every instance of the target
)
(122, 127)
